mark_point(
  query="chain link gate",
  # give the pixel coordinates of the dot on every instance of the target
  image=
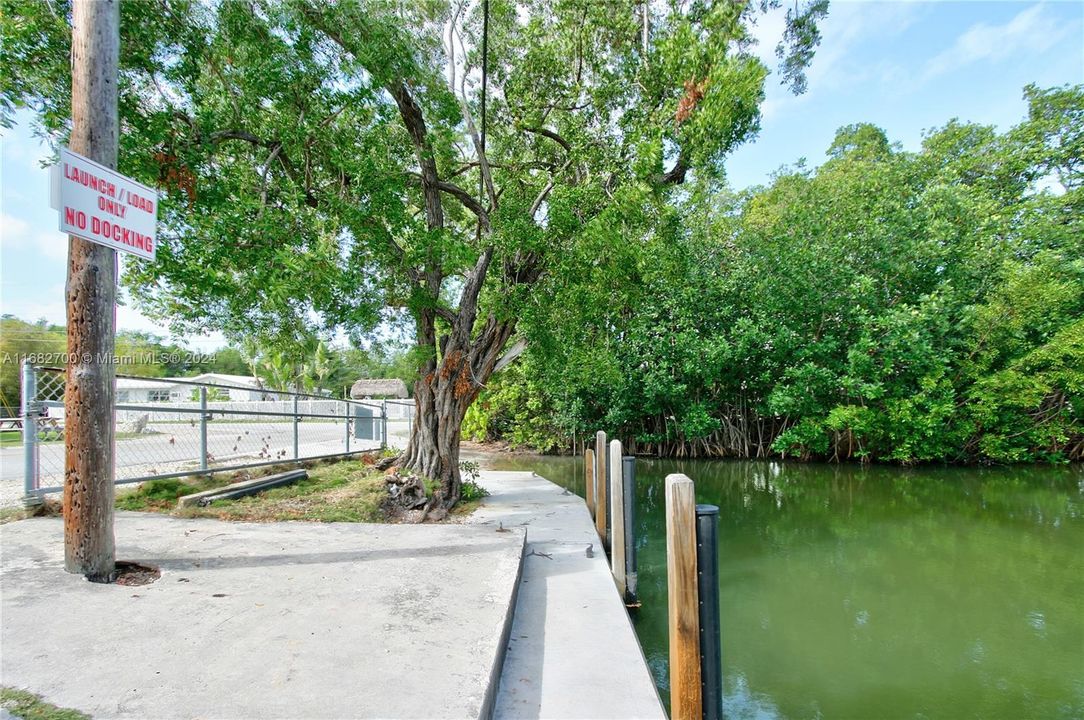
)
(173, 427)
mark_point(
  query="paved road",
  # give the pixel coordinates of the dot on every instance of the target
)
(174, 447)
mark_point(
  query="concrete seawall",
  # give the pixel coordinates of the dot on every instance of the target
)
(572, 651)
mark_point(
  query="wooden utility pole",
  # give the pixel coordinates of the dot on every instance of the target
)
(91, 306)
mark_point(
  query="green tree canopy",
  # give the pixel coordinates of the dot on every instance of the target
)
(891, 305)
(329, 166)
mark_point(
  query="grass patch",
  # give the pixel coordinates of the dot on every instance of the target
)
(161, 495)
(335, 491)
(471, 493)
(347, 491)
(11, 437)
(50, 508)
(465, 508)
(28, 706)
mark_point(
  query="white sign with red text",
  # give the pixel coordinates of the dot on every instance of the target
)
(103, 206)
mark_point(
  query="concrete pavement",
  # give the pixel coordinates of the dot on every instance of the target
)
(333, 621)
(281, 620)
(573, 652)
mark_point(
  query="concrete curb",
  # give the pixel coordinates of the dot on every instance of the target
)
(252, 486)
(489, 704)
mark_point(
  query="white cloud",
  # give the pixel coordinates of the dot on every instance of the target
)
(847, 25)
(768, 32)
(13, 231)
(835, 66)
(16, 233)
(1031, 30)
(36, 306)
(53, 245)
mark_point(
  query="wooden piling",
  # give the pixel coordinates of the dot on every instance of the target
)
(601, 488)
(617, 518)
(589, 480)
(685, 690)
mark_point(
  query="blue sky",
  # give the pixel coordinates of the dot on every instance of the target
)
(905, 66)
(911, 66)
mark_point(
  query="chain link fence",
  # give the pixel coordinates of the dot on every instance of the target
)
(172, 427)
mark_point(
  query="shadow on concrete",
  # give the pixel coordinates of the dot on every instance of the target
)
(520, 691)
(246, 561)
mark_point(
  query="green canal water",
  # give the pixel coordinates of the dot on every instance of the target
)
(850, 592)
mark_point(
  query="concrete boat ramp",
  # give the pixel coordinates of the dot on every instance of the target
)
(503, 616)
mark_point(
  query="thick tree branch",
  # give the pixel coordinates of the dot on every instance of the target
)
(541, 198)
(676, 174)
(447, 315)
(487, 348)
(472, 130)
(276, 147)
(248, 137)
(414, 122)
(515, 167)
(468, 200)
(472, 290)
(409, 111)
(411, 114)
(544, 132)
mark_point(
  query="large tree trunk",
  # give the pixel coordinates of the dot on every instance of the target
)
(433, 451)
(441, 397)
(455, 371)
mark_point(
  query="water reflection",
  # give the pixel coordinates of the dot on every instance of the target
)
(852, 592)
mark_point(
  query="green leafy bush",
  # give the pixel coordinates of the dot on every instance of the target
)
(892, 306)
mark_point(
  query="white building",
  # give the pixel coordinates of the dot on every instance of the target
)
(132, 390)
(241, 388)
(238, 388)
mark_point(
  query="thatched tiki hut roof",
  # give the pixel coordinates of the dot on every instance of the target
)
(385, 388)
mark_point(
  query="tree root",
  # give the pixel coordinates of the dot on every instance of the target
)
(388, 462)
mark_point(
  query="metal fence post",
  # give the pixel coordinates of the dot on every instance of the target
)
(628, 488)
(347, 416)
(707, 571)
(297, 444)
(30, 435)
(384, 424)
(203, 463)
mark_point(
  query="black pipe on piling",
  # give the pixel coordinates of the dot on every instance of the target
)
(628, 488)
(707, 582)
